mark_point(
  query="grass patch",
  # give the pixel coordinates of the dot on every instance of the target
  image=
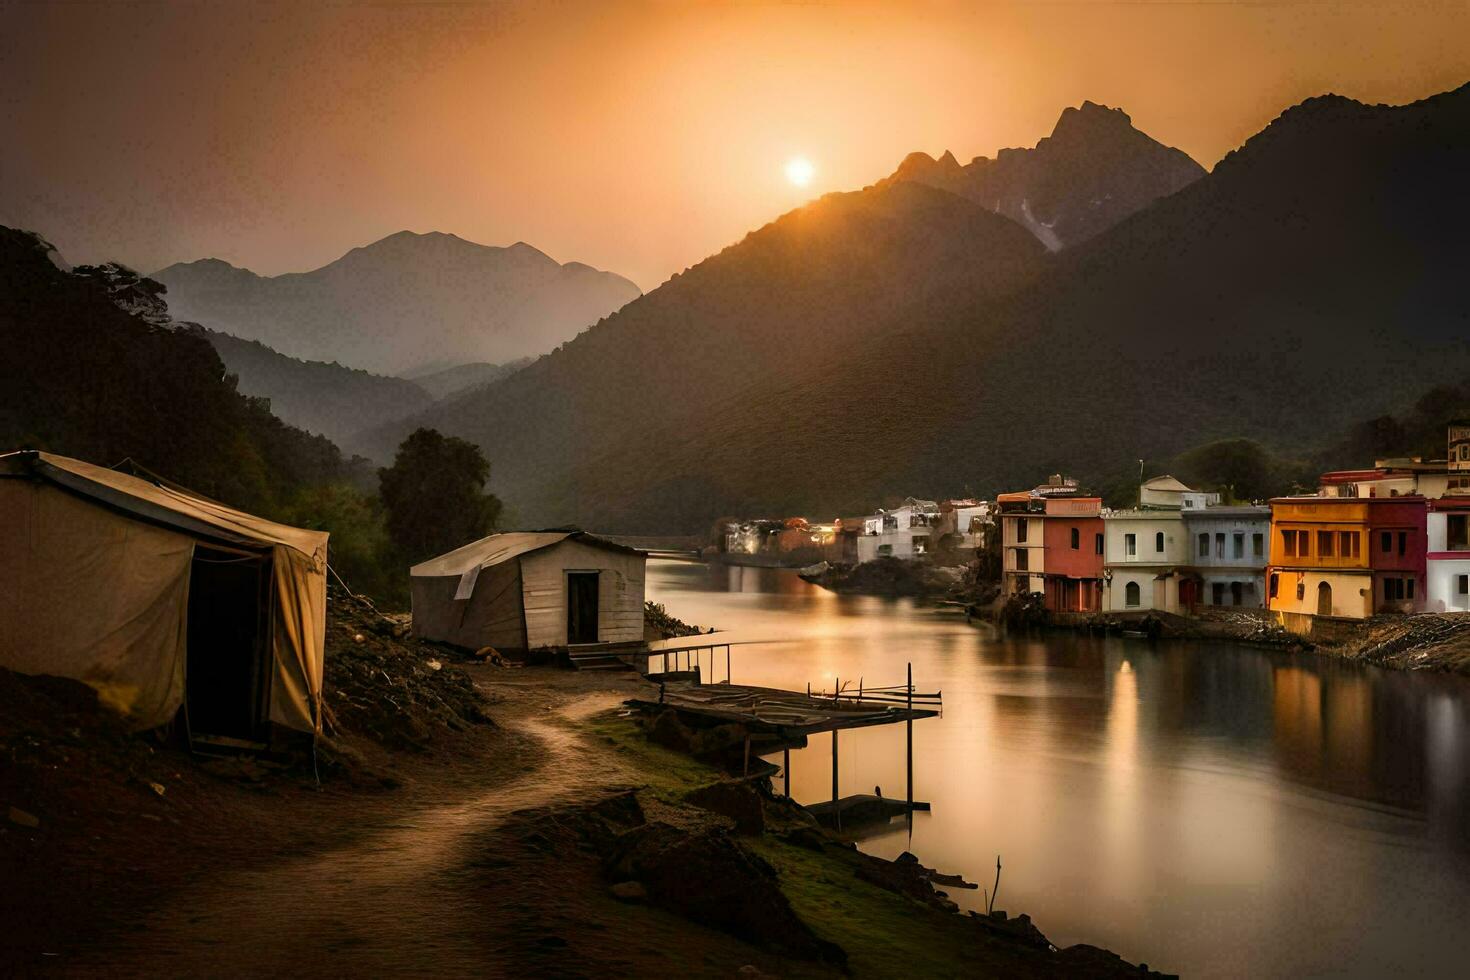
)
(670, 774)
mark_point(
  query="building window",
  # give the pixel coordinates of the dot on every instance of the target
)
(1239, 543)
(1457, 532)
(1220, 544)
(1324, 544)
(1076, 539)
(921, 544)
(1021, 531)
(1403, 543)
(1301, 590)
(1098, 543)
(1131, 594)
(1204, 546)
(1275, 584)
(887, 549)
(1385, 542)
(1217, 594)
(1258, 544)
(1022, 559)
(1130, 545)
(1393, 588)
(1288, 543)
(1352, 544)
(1462, 584)
(1159, 542)
(1237, 594)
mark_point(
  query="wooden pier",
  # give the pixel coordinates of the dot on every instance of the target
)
(784, 719)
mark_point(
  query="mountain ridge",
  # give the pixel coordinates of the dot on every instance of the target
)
(467, 302)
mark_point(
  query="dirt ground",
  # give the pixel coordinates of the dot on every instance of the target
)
(436, 855)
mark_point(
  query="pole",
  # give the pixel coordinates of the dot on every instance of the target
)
(836, 812)
(786, 770)
(909, 727)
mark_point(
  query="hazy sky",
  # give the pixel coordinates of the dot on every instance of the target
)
(637, 137)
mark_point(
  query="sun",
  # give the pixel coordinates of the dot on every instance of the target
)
(800, 171)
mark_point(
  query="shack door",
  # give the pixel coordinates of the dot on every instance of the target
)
(225, 674)
(582, 607)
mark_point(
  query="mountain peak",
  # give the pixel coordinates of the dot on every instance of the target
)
(1090, 120)
(1094, 170)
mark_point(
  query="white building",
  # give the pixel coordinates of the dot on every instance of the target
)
(1447, 565)
(1167, 493)
(1142, 554)
(1229, 549)
(903, 532)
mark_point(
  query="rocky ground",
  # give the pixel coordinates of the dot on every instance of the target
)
(555, 840)
(1427, 641)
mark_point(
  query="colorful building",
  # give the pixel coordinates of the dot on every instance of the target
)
(1052, 543)
(1319, 557)
(1447, 573)
(903, 532)
(1398, 545)
(1347, 556)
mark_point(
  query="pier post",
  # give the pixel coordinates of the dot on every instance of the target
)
(786, 770)
(836, 811)
(909, 730)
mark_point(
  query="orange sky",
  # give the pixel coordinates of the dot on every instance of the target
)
(637, 137)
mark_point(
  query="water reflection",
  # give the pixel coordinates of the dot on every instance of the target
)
(1215, 809)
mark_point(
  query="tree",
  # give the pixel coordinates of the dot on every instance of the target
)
(433, 496)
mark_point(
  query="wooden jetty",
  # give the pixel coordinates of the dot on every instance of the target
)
(784, 719)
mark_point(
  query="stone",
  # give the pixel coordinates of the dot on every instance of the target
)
(734, 800)
(629, 891)
(21, 818)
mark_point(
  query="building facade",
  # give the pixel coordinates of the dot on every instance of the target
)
(903, 532)
(1142, 556)
(1228, 553)
(1319, 558)
(1447, 574)
(1052, 544)
(1398, 547)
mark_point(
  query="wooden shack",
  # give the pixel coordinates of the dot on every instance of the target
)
(531, 591)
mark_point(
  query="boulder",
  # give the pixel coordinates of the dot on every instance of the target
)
(735, 800)
(708, 878)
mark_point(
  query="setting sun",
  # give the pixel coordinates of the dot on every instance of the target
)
(800, 171)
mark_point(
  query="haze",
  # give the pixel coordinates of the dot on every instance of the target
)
(637, 137)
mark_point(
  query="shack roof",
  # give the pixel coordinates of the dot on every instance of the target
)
(499, 548)
(156, 501)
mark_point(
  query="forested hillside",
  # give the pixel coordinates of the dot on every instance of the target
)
(895, 341)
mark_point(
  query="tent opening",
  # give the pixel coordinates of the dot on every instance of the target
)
(225, 679)
(582, 607)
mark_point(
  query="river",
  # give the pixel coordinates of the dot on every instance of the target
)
(1215, 810)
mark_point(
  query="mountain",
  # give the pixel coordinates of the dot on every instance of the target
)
(824, 287)
(328, 399)
(93, 368)
(462, 377)
(402, 302)
(1314, 278)
(1093, 171)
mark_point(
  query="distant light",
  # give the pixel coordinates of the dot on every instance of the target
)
(800, 171)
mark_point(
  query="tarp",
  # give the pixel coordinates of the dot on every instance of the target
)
(94, 585)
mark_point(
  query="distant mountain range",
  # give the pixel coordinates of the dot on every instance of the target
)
(905, 339)
(406, 302)
(93, 368)
(336, 401)
(1093, 171)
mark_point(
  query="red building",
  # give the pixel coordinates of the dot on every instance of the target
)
(1398, 547)
(1073, 536)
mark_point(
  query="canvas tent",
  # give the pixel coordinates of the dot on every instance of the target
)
(158, 598)
(531, 590)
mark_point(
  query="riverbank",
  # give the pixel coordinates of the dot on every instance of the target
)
(465, 817)
(1419, 641)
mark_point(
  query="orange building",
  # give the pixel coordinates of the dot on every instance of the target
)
(1320, 561)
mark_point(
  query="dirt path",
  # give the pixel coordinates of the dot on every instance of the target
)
(397, 899)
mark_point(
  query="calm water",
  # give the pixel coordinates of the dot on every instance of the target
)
(1215, 810)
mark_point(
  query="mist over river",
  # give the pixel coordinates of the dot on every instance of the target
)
(1216, 810)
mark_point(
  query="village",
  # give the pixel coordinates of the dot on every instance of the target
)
(1383, 540)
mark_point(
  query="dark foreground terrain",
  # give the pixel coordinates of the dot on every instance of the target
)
(553, 840)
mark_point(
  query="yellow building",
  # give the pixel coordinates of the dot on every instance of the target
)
(1320, 561)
